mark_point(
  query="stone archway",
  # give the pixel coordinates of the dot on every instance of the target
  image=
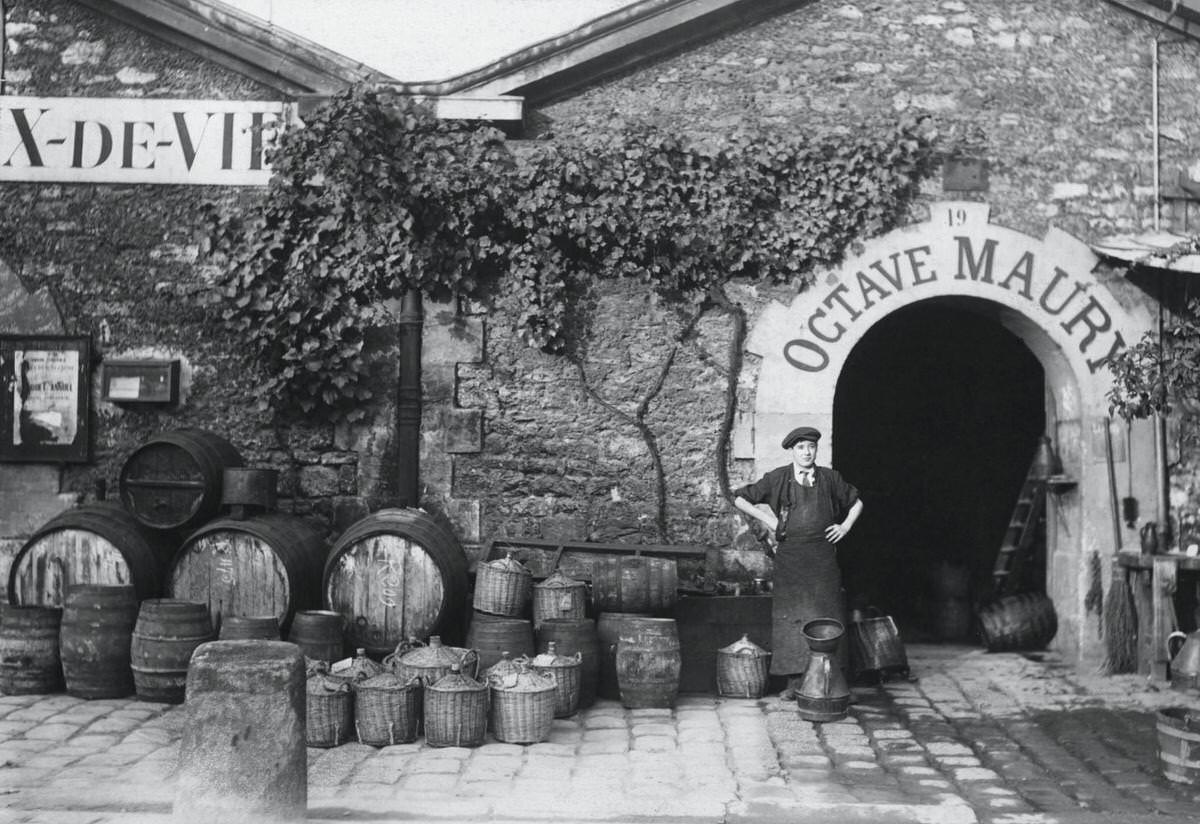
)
(1045, 292)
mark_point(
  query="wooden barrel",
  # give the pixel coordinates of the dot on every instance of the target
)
(608, 630)
(570, 636)
(1026, 621)
(320, 634)
(29, 659)
(648, 662)
(250, 487)
(394, 575)
(1179, 744)
(249, 628)
(165, 636)
(491, 636)
(97, 630)
(634, 584)
(99, 544)
(269, 564)
(173, 481)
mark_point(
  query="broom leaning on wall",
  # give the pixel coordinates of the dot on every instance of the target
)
(1119, 619)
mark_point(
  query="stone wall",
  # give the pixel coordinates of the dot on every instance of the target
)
(1055, 98)
(122, 264)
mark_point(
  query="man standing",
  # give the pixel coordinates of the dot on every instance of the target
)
(811, 509)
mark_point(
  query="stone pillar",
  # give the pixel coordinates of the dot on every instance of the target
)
(243, 756)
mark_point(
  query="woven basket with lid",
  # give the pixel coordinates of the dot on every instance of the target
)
(432, 662)
(742, 669)
(559, 597)
(386, 709)
(329, 710)
(502, 587)
(567, 672)
(522, 705)
(456, 709)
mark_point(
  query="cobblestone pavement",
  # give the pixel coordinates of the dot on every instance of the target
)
(1000, 739)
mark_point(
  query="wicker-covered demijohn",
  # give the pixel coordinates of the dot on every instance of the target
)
(502, 587)
(522, 705)
(742, 669)
(430, 662)
(329, 716)
(358, 668)
(456, 709)
(386, 709)
(559, 597)
(566, 670)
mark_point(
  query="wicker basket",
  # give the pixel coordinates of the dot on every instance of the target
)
(559, 597)
(456, 710)
(329, 711)
(430, 663)
(1026, 621)
(358, 668)
(386, 709)
(742, 669)
(522, 706)
(502, 587)
(567, 674)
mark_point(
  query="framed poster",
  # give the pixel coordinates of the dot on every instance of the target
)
(45, 388)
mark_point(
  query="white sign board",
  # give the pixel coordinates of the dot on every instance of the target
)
(119, 140)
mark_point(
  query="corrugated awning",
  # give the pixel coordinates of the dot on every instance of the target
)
(1158, 250)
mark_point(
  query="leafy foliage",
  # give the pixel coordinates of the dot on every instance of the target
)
(1151, 378)
(374, 196)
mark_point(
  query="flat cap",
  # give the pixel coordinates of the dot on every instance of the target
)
(801, 433)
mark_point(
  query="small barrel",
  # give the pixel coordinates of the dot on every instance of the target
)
(394, 575)
(608, 630)
(30, 663)
(648, 662)
(320, 634)
(634, 584)
(249, 628)
(1179, 744)
(571, 636)
(174, 480)
(253, 489)
(1025, 621)
(165, 636)
(269, 564)
(94, 643)
(99, 544)
(492, 636)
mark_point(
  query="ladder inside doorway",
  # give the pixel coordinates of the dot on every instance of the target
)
(1022, 530)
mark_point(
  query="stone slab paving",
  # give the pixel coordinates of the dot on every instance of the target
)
(998, 739)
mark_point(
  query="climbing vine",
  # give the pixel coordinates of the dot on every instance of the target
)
(374, 196)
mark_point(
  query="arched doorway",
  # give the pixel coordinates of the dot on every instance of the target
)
(937, 412)
(958, 269)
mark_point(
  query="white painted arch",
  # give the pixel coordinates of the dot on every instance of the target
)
(1046, 292)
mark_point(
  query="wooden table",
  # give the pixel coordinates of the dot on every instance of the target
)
(1153, 580)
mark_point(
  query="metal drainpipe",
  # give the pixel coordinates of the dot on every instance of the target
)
(1161, 470)
(3, 45)
(408, 400)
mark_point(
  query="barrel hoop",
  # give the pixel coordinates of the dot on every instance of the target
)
(1177, 732)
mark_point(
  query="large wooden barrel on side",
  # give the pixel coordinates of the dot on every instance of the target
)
(174, 480)
(166, 634)
(648, 662)
(94, 642)
(570, 636)
(394, 575)
(634, 584)
(1026, 621)
(269, 564)
(97, 544)
(29, 659)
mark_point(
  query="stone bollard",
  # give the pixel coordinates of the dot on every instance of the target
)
(243, 756)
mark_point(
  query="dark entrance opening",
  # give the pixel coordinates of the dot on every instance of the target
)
(937, 415)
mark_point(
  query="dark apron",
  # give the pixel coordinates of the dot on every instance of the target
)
(807, 580)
